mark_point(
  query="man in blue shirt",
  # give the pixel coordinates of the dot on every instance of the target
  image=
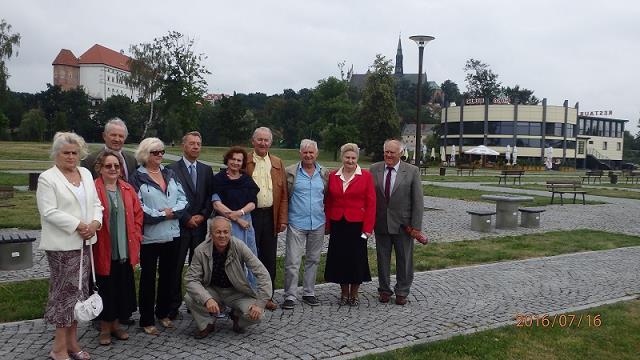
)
(307, 182)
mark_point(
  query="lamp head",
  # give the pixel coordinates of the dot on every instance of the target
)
(421, 40)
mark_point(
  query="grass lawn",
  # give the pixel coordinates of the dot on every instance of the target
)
(618, 337)
(430, 257)
(492, 179)
(476, 195)
(612, 191)
(22, 214)
(7, 179)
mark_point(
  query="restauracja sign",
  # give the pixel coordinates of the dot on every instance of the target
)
(596, 113)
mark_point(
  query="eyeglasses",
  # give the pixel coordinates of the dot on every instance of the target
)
(112, 166)
(156, 152)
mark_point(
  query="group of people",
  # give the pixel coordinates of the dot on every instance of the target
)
(138, 211)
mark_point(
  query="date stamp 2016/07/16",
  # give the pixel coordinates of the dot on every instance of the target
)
(558, 320)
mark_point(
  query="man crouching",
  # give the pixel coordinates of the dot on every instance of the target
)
(216, 277)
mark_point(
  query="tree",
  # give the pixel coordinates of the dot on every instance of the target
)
(33, 125)
(377, 115)
(4, 127)
(451, 92)
(331, 114)
(168, 66)
(481, 81)
(7, 43)
(520, 96)
(115, 106)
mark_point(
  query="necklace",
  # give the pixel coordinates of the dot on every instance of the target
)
(154, 172)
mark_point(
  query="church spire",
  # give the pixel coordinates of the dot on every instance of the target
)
(399, 58)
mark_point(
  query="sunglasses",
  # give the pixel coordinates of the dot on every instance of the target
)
(156, 152)
(112, 166)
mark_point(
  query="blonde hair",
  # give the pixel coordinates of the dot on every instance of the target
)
(146, 146)
(349, 147)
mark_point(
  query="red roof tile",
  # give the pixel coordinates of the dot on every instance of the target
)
(65, 57)
(99, 54)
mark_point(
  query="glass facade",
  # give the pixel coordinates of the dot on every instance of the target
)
(600, 127)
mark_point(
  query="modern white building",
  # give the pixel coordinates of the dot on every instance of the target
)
(583, 141)
(100, 71)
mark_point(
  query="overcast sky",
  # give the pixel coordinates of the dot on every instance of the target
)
(582, 51)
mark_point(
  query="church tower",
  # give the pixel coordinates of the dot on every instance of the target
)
(399, 59)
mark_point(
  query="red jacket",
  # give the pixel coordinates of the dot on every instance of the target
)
(357, 204)
(133, 220)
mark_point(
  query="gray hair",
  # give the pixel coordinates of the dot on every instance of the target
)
(305, 143)
(349, 147)
(116, 121)
(146, 146)
(65, 138)
(400, 143)
(262, 128)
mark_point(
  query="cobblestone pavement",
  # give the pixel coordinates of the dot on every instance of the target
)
(442, 303)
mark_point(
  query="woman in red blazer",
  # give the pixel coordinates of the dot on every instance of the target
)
(350, 208)
(118, 248)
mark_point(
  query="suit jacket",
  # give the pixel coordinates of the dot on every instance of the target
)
(60, 211)
(406, 203)
(357, 204)
(279, 184)
(90, 161)
(199, 198)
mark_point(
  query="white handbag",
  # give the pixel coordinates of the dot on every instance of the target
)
(90, 308)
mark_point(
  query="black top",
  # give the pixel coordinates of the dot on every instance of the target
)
(236, 193)
(219, 277)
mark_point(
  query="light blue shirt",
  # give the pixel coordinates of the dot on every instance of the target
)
(306, 205)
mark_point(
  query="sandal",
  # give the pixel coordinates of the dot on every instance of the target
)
(120, 334)
(104, 338)
(354, 301)
(80, 355)
(151, 330)
(52, 356)
(167, 323)
(344, 300)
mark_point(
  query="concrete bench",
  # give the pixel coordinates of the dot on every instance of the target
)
(530, 217)
(16, 251)
(481, 220)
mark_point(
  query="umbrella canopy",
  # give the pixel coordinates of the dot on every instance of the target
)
(433, 153)
(507, 154)
(514, 155)
(481, 150)
(443, 155)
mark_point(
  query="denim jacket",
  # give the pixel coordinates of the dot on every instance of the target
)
(157, 228)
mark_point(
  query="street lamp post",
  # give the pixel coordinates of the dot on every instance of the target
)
(421, 40)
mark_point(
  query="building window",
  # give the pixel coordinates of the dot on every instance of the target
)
(619, 146)
(604, 145)
(580, 147)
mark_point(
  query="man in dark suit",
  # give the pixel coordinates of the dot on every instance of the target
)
(197, 181)
(114, 135)
(399, 203)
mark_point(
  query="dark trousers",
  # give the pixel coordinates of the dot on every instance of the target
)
(186, 244)
(161, 258)
(266, 241)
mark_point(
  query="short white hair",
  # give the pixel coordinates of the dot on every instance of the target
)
(146, 146)
(265, 129)
(305, 143)
(400, 143)
(65, 138)
(116, 121)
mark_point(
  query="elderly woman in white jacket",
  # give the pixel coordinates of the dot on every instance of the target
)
(70, 214)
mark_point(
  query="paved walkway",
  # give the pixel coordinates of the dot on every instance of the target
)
(443, 303)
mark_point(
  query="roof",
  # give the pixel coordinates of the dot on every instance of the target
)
(65, 57)
(99, 54)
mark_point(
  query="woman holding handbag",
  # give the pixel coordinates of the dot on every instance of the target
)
(70, 214)
(118, 247)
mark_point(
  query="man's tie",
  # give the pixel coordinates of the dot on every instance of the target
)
(194, 176)
(387, 183)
